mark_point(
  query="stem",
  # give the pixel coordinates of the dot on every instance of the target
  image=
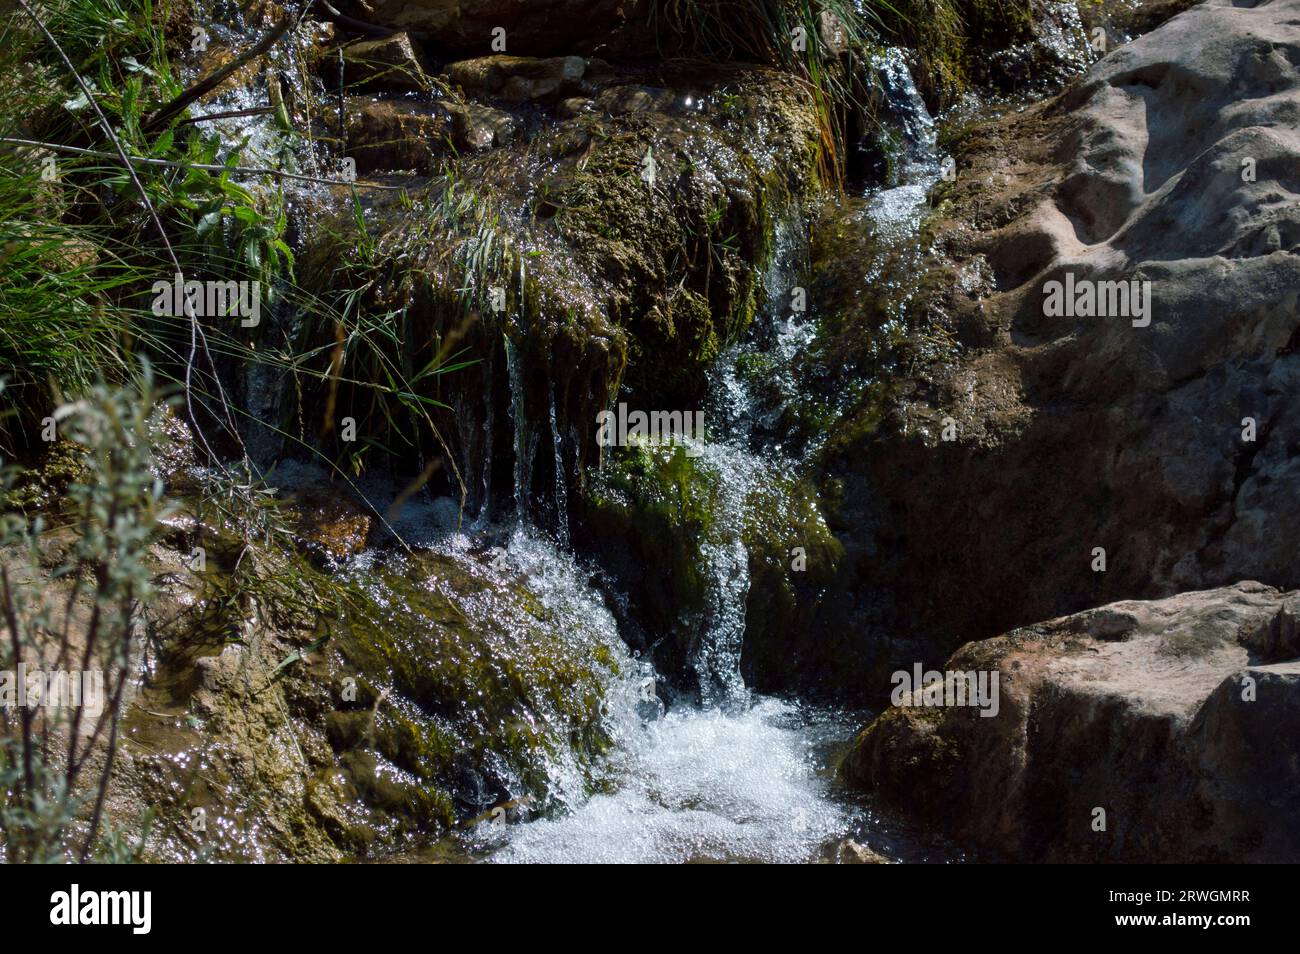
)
(210, 82)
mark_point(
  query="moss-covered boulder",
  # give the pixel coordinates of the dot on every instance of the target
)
(648, 517)
(597, 250)
(291, 715)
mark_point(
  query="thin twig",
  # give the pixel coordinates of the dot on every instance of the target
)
(210, 82)
(11, 617)
(231, 114)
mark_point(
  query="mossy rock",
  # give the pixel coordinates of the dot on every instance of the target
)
(648, 515)
(481, 688)
(610, 282)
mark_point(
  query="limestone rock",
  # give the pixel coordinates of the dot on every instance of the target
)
(517, 78)
(391, 62)
(1178, 718)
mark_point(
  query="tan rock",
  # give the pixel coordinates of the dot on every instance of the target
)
(1137, 732)
(391, 62)
(517, 78)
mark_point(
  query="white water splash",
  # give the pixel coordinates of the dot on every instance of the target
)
(702, 786)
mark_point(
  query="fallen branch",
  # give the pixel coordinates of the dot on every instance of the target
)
(210, 82)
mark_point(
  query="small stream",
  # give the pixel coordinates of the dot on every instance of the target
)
(726, 775)
(737, 776)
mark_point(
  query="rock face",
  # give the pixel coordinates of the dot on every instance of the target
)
(1170, 438)
(1179, 718)
(392, 62)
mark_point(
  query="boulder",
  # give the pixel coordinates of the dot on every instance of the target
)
(1162, 731)
(391, 62)
(479, 128)
(398, 134)
(517, 78)
(1135, 455)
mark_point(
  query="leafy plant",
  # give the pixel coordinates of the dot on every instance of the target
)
(47, 754)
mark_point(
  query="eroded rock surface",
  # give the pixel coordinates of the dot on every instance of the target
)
(1174, 443)
(1178, 718)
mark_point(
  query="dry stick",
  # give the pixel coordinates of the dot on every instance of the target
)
(203, 166)
(232, 114)
(361, 26)
(73, 768)
(196, 332)
(215, 79)
(112, 741)
(11, 617)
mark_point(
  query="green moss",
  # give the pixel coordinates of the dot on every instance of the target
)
(44, 486)
(480, 683)
(650, 511)
(952, 40)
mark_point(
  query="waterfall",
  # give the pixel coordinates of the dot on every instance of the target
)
(561, 489)
(523, 446)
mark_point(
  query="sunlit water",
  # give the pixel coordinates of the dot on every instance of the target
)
(733, 777)
(702, 785)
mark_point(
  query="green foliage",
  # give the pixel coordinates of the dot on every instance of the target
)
(394, 313)
(818, 42)
(44, 795)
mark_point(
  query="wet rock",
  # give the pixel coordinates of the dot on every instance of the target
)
(217, 56)
(1123, 20)
(849, 852)
(621, 100)
(391, 62)
(445, 686)
(1056, 49)
(572, 107)
(1178, 719)
(331, 522)
(398, 134)
(479, 128)
(517, 78)
(1169, 442)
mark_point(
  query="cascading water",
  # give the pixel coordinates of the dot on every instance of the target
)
(738, 777)
(523, 444)
(561, 488)
(734, 776)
